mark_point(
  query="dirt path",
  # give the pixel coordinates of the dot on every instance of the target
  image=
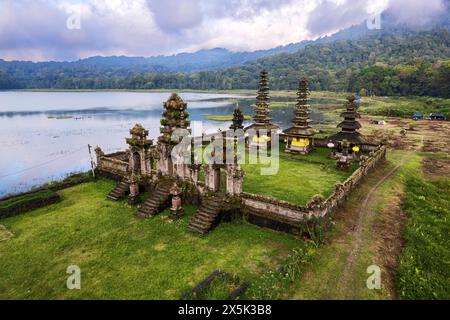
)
(364, 213)
(367, 231)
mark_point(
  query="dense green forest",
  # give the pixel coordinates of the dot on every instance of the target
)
(400, 63)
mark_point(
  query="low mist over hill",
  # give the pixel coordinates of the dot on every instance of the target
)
(394, 60)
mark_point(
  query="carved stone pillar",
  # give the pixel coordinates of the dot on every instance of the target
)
(165, 163)
(99, 154)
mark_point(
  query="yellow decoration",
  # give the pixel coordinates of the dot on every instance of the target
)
(355, 148)
(299, 142)
(261, 139)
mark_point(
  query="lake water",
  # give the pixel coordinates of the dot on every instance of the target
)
(44, 136)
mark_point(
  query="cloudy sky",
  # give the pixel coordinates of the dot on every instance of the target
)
(40, 30)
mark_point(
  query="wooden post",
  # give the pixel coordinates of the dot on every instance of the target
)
(92, 161)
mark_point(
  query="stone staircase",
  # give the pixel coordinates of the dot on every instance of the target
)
(156, 202)
(120, 191)
(207, 215)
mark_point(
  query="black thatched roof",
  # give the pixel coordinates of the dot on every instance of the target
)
(303, 132)
(352, 137)
(262, 126)
(349, 125)
(350, 114)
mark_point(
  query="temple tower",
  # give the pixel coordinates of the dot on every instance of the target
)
(262, 126)
(175, 117)
(349, 126)
(300, 136)
(262, 112)
(174, 124)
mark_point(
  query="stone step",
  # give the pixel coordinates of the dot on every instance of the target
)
(119, 191)
(152, 205)
(209, 211)
(197, 226)
(206, 223)
(206, 216)
(200, 223)
(196, 230)
(210, 207)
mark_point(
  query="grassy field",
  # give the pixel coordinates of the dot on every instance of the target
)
(338, 269)
(331, 103)
(404, 106)
(424, 271)
(121, 256)
(403, 228)
(298, 179)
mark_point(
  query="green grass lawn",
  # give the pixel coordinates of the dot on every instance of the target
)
(121, 256)
(298, 179)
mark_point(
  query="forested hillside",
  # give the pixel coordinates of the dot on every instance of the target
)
(402, 62)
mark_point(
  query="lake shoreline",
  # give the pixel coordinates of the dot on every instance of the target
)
(243, 92)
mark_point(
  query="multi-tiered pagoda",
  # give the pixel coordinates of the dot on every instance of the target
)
(175, 117)
(349, 133)
(300, 136)
(262, 117)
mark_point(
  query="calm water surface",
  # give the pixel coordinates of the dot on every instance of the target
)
(44, 135)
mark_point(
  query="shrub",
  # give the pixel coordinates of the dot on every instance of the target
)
(273, 284)
(26, 202)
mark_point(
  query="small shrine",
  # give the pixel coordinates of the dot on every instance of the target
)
(262, 126)
(299, 138)
(176, 210)
(139, 150)
(134, 191)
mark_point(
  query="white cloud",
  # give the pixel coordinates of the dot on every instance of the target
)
(36, 29)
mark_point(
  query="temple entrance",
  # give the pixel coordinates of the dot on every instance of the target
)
(223, 180)
(136, 163)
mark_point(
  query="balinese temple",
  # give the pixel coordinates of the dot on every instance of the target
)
(262, 115)
(238, 119)
(349, 126)
(299, 138)
(175, 117)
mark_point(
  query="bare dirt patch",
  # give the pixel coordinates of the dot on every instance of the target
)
(405, 134)
(389, 243)
(436, 167)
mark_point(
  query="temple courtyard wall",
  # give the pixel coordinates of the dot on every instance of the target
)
(286, 216)
(258, 209)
